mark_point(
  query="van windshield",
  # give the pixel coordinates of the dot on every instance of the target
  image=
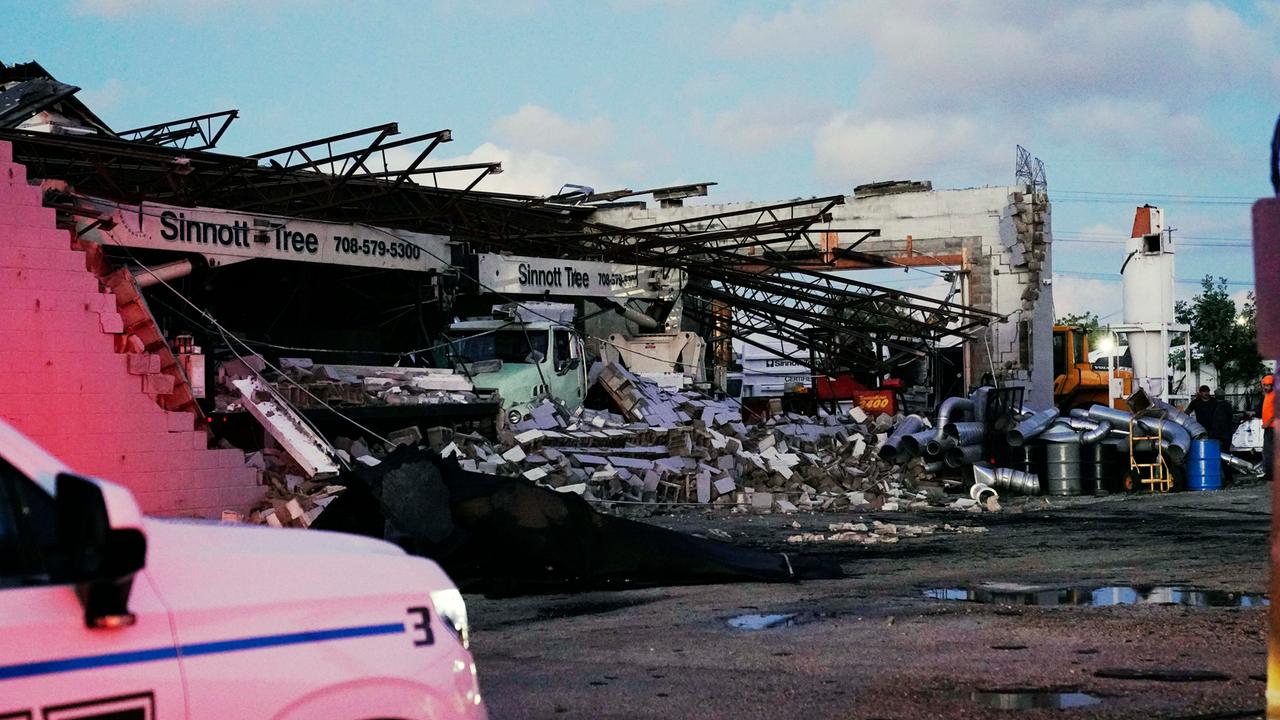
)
(509, 346)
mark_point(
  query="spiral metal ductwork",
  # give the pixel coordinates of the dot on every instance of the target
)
(891, 448)
(1193, 426)
(961, 455)
(1091, 432)
(1032, 426)
(1175, 438)
(913, 445)
(1241, 464)
(949, 407)
(1007, 479)
(966, 433)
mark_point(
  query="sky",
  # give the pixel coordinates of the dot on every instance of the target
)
(1168, 103)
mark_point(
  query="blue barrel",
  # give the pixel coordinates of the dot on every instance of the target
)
(1204, 467)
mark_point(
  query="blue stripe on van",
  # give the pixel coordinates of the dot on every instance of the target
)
(88, 662)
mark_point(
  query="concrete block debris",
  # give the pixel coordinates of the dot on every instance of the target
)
(655, 444)
(877, 533)
(307, 384)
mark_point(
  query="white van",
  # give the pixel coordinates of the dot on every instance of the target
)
(105, 613)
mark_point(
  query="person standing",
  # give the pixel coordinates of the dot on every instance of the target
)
(1222, 429)
(1203, 407)
(1268, 418)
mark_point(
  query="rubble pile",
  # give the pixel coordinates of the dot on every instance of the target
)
(658, 445)
(878, 532)
(684, 447)
(293, 499)
(309, 383)
(372, 385)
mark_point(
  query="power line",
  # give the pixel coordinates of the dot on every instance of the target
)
(1194, 196)
(1120, 201)
(1117, 245)
(1115, 278)
(1086, 233)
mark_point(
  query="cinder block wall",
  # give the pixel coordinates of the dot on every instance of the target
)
(63, 384)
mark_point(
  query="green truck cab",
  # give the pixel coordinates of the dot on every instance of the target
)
(527, 354)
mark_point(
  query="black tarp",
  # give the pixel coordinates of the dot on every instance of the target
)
(506, 535)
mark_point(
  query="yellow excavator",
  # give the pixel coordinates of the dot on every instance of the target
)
(1076, 383)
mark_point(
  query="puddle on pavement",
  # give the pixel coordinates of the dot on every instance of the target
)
(1002, 594)
(1034, 699)
(761, 622)
(1162, 674)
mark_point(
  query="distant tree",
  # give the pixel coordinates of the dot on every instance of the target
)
(1087, 320)
(1091, 323)
(1225, 335)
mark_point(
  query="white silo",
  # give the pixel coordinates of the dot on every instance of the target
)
(1148, 299)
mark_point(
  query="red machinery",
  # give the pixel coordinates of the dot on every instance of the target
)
(844, 388)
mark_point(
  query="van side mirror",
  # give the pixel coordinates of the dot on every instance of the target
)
(567, 364)
(99, 559)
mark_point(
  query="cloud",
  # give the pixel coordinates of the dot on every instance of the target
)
(109, 96)
(1140, 128)
(526, 172)
(534, 127)
(947, 56)
(1072, 295)
(850, 149)
(759, 124)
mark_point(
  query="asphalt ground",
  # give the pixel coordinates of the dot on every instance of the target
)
(875, 645)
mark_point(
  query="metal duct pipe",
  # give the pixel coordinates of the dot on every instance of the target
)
(1014, 481)
(1193, 426)
(979, 398)
(960, 455)
(1123, 434)
(1241, 464)
(984, 474)
(1177, 441)
(161, 273)
(935, 467)
(1090, 431)
(913, 444)
(1060, 432)
(938, 446)
(1096, 435)
(1081, 413)
(963, 406)
(910, 424)
(1032, 426)
(980, 492)
(966, 433)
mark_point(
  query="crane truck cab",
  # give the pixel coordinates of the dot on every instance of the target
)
(105, 613)
(526, 353)
(1076, 382)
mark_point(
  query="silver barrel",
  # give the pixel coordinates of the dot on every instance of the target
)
(1062, 476)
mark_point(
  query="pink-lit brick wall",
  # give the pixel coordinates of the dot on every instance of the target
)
(63, 384)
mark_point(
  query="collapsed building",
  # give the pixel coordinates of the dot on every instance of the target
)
(993, 241)
(180, 319)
